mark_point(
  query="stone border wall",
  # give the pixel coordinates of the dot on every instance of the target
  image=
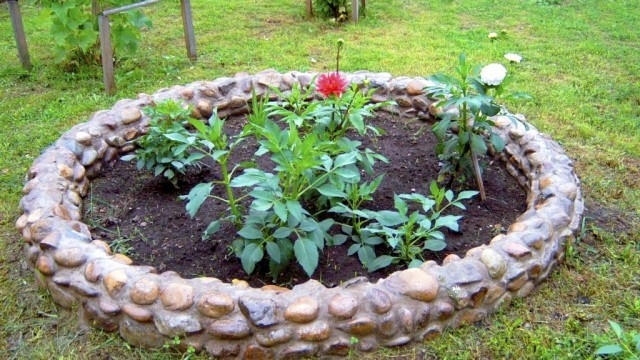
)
(235, 320)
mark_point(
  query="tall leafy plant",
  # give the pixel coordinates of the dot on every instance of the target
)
(74, 28)
(465, 133)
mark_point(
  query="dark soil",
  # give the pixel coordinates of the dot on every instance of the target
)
(142, 216)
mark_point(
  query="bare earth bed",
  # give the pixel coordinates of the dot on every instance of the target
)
(142, 214)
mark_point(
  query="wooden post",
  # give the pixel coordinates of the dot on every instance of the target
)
(18, 32)
(309, 8)
(355, 9)
(189, 34)
(107, 54)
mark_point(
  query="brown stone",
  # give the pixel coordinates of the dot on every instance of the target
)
(415, 87)
(137, 313)
(130, 115)
(275, 289)
(432, 332)
(414, 283)
(70, 257)
(360, 326)
(274, 337)
(516, 250)
(222, 349)
(123, 259)
(109, 307)
(343, 306)
(494, 262)
(215, 304)
(115, 281)
(91, 272)
(255, 352)
(51, 241)
(65, 171)
(45, 265)
(144, 292)
(176, 296)
(445, 310)
(102, 245)
(316, 331)
(517, 283)
(141, 334)
(229, 329)
(380, 301)
(478, 296)
(302, 310)
(388, 325)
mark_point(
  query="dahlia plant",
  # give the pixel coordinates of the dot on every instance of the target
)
(465, 134)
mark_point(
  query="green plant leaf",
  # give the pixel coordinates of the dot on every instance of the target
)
(307, 254)
(345, 159)
(366, 255)
(273, 250)
(281, 210)
(211, 229)
(477, 144)
(617, 329)
(331, 190)
(250, 232)
(380, 262)
(415, 263)
(434, 245)
(609, 350)
(448, 221)
(197, 196)
(295, 210)
(281, 233)
(251, 255)
(390, 218)
(339, 239)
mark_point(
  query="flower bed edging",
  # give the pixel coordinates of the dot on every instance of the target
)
(235, 320)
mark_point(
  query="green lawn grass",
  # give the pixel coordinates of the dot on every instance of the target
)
(581, 65)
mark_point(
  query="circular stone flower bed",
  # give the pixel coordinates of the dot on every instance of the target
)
(235, 320)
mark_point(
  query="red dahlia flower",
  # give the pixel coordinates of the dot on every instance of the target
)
(331, 84)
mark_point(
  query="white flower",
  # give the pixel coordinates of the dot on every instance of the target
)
(493, 35)
(493, 74)
(513, 57)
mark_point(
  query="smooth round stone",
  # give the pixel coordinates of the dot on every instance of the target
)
(317, 331)
(494, 262)
(123, 259)
(115, 281)
(416, 87)
(109, 307)
(35, 215)
(51, 241)
(360, 326)
(176, 296)
(65, 171)
(274, 337)
(83, 138)
(343, 306)
(130, 115)
(102, 245)
(303, 310)
(176, 324)
(144, 292)
(215, 304)
(45, 265)
(70, 257)
(516, 250)
(414, 283)
(91, 272)
(380, 301)
(137, 313)
(230, 329)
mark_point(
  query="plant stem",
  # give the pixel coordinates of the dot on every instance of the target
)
(476, 171)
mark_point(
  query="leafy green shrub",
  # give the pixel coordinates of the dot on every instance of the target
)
(626, 345)
(333, 9)
(465, 134)
(165, 149)
(75, 30)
